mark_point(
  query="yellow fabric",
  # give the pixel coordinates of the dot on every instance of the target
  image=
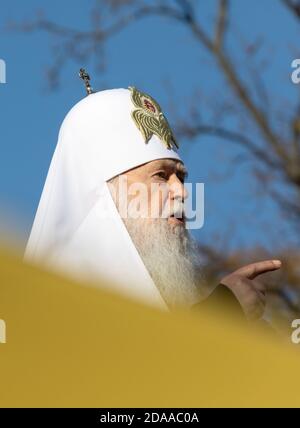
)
(73, 345)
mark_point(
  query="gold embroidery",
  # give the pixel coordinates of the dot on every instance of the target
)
(149, 118)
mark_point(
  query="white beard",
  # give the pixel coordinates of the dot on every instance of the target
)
(172, 258)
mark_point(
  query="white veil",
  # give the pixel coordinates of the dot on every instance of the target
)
(77, 228)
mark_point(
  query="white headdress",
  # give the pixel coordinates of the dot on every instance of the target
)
(104, 135)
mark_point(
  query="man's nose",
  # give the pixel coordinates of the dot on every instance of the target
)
(178, 189)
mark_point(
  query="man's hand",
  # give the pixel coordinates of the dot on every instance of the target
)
(250, 292)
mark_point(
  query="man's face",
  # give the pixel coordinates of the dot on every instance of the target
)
(163, 182)
(163, 242)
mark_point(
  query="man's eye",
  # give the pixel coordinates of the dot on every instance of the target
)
(161, 174)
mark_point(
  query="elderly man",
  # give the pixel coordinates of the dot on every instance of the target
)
(134, 237)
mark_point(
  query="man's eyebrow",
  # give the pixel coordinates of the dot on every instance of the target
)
(178, 167)
(162, 164)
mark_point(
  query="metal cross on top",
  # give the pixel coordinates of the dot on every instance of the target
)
(86, 78)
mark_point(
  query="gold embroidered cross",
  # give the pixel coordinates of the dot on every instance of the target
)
(149, 118)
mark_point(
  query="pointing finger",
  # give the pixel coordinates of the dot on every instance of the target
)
(254, 269)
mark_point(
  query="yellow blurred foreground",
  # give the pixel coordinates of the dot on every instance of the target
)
(73, 345)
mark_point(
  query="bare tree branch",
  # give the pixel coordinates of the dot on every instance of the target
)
(221, 23)
(294, 6)
(189, 20)
(193, 131)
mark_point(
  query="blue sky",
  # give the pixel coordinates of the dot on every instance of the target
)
(146, 55)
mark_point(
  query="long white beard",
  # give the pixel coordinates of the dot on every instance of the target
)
(172, 259)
